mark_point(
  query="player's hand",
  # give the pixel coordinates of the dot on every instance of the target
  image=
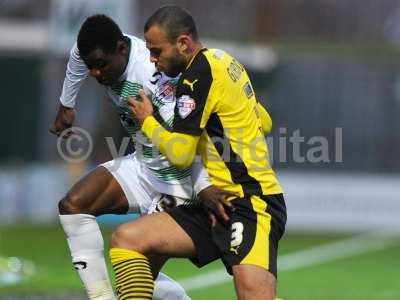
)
(141, 109)
(64, 120)
(215, 202)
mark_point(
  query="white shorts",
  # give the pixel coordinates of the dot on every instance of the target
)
(145, 193)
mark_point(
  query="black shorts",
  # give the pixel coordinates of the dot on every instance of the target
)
(251, 237)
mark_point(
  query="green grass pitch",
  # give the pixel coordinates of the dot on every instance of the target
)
(370, 275)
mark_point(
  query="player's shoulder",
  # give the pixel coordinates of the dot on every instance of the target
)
(198, 68)
(139, 54)
(199, 63)
(216, 53)
(223, 65)
(218, 58)
(139, 68)
(210, 61)
(135, 41)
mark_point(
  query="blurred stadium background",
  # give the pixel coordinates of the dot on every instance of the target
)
(327, 70)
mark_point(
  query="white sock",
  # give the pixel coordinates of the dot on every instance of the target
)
(166, 288)
(87, 250)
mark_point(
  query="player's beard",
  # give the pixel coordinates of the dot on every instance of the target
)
(176, 65)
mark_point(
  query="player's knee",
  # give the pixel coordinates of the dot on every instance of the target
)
(246, 285)
(127, 237)
(71, 204)
(251, 282)
(122, 238)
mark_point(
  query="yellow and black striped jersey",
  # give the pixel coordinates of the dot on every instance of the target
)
(216, 101)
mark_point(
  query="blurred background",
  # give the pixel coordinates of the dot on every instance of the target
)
(328, 71)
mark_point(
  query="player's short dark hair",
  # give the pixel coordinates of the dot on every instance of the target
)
(98, 32)
(174, 20)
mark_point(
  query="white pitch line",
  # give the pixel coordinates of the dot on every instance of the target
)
(313, 256)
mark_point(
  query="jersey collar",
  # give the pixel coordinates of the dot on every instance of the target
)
(194, 56)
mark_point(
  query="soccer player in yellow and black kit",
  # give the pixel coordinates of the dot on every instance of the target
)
(217, 116)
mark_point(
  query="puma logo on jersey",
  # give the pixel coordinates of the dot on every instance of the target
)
(190, 84)
(234, 250)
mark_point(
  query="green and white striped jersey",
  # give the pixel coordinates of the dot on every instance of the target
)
(140, 73)
(162, 90)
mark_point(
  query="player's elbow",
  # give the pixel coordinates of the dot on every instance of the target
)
(267, 129)
(267, 123)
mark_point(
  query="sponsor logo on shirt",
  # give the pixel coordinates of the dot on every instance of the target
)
(166, 92)
(185, 106)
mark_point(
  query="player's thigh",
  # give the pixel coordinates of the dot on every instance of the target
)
(153, 234)
(97, 193)
(129, 172)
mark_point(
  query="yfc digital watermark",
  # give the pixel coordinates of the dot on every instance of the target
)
(298, 149)
(75, 145)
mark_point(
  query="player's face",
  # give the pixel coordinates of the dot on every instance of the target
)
(107, 68)
(164, 54)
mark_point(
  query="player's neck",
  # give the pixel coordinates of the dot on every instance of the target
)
(193, 52)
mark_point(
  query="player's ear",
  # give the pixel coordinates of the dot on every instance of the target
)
(182, 43)
(122, 47)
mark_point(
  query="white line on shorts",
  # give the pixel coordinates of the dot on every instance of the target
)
(313, 256)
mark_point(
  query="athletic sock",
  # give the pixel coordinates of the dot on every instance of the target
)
(87, 250)
(165, 288)
(132, 274)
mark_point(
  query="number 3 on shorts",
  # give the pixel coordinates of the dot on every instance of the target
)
(237, 234)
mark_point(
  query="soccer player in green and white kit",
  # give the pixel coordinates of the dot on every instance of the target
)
(140, 182)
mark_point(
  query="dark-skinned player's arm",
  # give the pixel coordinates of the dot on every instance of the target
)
(75, 74)
(64, 119)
